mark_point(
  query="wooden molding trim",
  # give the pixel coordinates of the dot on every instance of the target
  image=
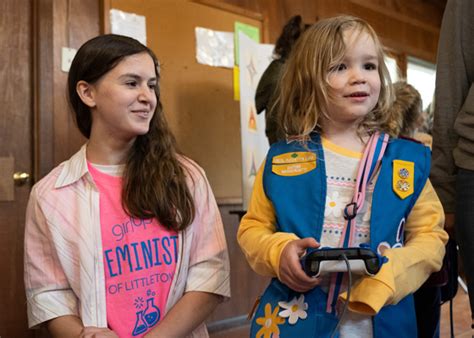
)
(266, 29)
(105, 6)
(43, 65)
(400, 58)
(394, 15)
(34, 90)
(231, 8)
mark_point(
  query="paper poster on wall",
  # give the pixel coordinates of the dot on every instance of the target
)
(214, 48)
(254, 59)
(128, 24)
(251, 31)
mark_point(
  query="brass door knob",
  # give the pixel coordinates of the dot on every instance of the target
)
(21, 178)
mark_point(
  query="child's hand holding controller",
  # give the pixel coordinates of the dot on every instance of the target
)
(291, 272)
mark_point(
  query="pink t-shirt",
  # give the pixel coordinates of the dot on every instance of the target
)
(140, 258)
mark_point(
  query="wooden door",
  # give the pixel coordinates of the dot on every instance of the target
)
(15, 156)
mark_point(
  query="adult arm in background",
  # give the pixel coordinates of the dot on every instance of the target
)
(455, 63)
(265, 97)
(267, 85)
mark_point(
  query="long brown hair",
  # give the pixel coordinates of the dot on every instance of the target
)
(304, 88)
(154, 179)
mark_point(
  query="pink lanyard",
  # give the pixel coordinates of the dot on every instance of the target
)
(364, 175)
(363, 179)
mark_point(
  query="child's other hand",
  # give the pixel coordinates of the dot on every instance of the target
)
(291, 272)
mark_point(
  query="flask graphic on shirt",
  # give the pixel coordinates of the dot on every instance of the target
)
(140, 325)
(151, 313)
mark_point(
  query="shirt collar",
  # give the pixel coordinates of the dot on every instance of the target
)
(74, 169)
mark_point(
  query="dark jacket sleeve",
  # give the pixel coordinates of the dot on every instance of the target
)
(267, 85)
(455, 65)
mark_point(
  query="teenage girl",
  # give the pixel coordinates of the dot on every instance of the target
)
(124, 239)
(341, 179)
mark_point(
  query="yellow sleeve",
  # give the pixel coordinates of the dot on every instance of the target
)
(257, 236)
(408, 267)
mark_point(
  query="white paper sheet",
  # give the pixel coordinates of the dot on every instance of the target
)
(214, 48)
(254, 59)
(128, 24)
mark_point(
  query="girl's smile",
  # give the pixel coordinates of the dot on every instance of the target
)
(357, 96)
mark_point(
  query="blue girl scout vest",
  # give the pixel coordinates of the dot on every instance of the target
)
(294, 179)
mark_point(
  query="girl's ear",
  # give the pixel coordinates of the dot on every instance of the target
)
(86, 92)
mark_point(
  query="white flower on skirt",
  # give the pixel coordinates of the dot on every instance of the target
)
(294, 309)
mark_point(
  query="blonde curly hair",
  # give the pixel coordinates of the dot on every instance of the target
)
(304, 89)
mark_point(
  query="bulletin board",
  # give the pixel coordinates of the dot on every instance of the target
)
(197, 99)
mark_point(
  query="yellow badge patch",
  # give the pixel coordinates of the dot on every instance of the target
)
(403, 178)
(293, 164)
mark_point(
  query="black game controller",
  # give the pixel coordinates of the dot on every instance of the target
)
(316, 262)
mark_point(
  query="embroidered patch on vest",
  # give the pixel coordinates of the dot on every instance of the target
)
(403, 178)
(293, 164)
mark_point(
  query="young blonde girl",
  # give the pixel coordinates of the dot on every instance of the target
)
(341, 179)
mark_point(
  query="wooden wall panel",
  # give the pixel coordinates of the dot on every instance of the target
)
(410, 27)
(398, 32)
(426, 14)
(15, 144)
(75, 23)
(62, 23)
(43, 87)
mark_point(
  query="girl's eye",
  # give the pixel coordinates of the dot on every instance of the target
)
(338, 68)
(152, 86)
(370, 66)
(131, 83)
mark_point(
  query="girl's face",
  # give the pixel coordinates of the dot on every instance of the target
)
(123, 101)
(355, 82)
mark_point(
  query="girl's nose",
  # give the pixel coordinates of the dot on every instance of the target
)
(357, 76)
